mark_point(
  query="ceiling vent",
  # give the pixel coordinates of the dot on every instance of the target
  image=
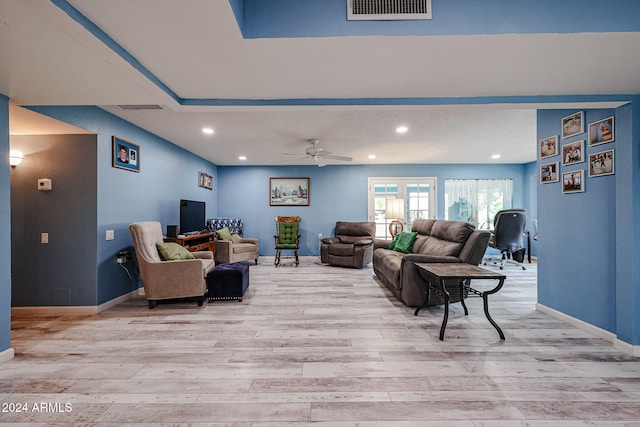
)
(388, 10)
(140, 107)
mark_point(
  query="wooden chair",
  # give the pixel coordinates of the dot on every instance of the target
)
(287, 236)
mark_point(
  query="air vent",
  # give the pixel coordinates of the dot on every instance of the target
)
(388, 10)
(140, 107)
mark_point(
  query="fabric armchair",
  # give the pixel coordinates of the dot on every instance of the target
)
(163, 280)
(351, 246)
(236, 250)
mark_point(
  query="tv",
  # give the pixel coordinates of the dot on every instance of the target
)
(192, 216)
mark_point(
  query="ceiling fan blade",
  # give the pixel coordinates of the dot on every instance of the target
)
(343, 158)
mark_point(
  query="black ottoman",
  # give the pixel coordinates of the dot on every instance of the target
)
(228, 281)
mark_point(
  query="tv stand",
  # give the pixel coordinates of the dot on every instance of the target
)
(196, 242)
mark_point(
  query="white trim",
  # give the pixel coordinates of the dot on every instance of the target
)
(76, 310)
(7, 355)
(631, 349)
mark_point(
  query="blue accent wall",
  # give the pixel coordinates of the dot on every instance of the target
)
(337, 193)
(5, 228)
(167, 174)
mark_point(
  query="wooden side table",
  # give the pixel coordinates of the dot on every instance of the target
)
(437, 274)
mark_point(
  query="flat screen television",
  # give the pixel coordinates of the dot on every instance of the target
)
(192, 216)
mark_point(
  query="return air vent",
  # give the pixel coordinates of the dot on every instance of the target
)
(140, 107)
(388, 10)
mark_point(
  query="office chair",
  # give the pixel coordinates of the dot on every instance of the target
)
(508, 230)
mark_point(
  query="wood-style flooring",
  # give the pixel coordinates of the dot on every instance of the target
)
(317, 345)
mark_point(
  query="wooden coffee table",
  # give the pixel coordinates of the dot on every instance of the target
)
(435, 274)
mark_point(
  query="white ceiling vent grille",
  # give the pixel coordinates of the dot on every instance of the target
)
(388, 10)
(140, 107)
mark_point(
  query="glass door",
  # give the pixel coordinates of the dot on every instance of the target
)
(418, 197)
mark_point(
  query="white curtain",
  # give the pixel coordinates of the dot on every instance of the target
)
(477, 200)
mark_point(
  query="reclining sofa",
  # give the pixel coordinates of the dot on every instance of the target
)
(436, 241)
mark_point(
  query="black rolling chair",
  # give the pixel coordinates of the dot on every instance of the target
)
(508, 231)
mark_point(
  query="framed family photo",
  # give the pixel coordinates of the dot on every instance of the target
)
(601, 131)
(573, 124)
(289, 191)
(549, 173)
(602, 163)
(573, 152)
(125, 155)
(573, 182)
(548, 147)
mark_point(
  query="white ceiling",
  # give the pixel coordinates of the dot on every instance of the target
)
(199, 53)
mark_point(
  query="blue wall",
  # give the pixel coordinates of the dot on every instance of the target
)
(5, 228)
(167, 174)
(337, 193)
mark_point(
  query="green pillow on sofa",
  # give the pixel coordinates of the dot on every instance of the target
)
(172, 251)
(224, 234)
(404, 241)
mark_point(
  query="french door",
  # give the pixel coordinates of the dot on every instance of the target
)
(418, 197)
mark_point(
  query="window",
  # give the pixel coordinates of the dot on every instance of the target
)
(477, 200)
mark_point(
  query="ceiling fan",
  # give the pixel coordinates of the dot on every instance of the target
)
(319, 154)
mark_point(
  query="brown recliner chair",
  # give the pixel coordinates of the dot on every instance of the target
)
(352, 245)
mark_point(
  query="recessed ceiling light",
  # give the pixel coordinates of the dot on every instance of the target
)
(242, 157)
(402, 129)
(372, 156)
(495, 156)
(208, 131)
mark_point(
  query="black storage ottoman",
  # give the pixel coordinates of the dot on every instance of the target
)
(228, 281)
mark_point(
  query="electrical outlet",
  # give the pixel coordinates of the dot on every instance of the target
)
(110, 235)
(44, 238)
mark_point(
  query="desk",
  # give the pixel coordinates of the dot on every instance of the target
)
(435, 274)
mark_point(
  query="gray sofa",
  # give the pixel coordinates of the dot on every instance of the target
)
(437, 241)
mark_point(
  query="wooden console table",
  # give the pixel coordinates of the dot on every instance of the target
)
(435, 274)
(196, 242)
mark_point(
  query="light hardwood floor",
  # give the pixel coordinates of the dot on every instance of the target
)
(317, 345)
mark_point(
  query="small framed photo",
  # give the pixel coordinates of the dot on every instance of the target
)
(205, 181)
(125, 155)
(548, 147)
(573, 182)
(601, 163)
(573, 152)
(573, 124)
(289, 191)
(601, 131)
(549, 173)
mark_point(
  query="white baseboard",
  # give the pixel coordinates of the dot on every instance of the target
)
(630, 349)
(77, 310)
(6, 355)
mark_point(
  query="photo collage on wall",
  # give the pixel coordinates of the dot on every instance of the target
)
(575, 151)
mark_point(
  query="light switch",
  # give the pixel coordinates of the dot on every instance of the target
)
(110, 235)
(44, 237)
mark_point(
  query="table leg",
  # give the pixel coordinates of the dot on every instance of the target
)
(446, 309)
(485, 300)
(427, 296)
(466, 312)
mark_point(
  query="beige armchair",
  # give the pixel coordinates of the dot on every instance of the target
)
(237, 249)
(164, 280)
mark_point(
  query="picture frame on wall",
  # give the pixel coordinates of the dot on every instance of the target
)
(601, 132)
(573, 125)
(602, 163)
(125, 155)
(289, 191)
(548, 147)
(573, 181)
(205, 181)
(573, 152)
(549, 172)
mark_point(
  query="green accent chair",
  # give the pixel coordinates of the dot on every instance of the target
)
(287, 237)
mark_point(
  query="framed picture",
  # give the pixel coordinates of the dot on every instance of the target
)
(601, 163)
(573, 124)
(205, 181)
(573, 182)
(549, 173)
(548, 147)
(125, 155)
(601, 132)
(289, 191)
(573, 152)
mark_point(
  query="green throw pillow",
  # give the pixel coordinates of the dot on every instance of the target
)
(224, 234)
(172, 251)
(404, 241)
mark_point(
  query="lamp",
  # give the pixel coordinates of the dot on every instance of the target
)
(395, 212)
(15, 158)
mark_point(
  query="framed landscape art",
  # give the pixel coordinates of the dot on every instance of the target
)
(289, 192)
